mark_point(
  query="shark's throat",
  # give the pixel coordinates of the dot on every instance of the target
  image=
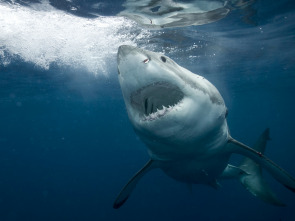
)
(156, 99)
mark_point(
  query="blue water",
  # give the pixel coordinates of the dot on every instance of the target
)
(66, 144)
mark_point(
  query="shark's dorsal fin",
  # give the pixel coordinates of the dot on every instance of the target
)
(276, 171)
(128, 188)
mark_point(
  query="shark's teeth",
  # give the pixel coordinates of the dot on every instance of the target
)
(161, 112)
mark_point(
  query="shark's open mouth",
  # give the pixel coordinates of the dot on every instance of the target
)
(155, 100)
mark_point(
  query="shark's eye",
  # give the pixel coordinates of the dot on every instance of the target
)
(146, 61)
(163, 58)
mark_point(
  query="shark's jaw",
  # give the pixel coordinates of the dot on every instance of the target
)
(156, 100)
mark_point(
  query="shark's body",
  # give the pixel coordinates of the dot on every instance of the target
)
(181, 117)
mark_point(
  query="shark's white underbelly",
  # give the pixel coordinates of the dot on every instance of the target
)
(200, 169)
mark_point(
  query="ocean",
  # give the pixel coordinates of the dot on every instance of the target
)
(67, 146)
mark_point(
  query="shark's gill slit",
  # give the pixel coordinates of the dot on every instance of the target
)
(155, 99)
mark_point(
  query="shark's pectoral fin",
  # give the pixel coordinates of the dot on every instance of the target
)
(277, 172)
(128, 188)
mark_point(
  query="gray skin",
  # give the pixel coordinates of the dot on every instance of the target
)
(181, 117)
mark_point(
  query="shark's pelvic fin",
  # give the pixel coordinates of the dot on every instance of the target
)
(231, 172)
(128, 188)
(252, 178)
(256, 185)
(254, 182)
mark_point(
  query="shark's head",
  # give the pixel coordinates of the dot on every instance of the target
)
(168, 105)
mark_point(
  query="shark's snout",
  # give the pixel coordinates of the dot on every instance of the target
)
(123, 51)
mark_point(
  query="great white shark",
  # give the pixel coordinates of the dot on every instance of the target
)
(181, 117)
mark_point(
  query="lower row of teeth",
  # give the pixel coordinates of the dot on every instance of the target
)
(158, 113)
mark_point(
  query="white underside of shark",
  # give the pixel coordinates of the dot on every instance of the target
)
(181, 117)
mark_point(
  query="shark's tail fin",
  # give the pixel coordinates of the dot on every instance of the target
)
(250, 174)
(253, 180)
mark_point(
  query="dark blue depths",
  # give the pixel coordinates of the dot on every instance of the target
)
(67, 147)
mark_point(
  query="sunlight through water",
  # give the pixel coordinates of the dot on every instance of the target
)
(45, 36)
